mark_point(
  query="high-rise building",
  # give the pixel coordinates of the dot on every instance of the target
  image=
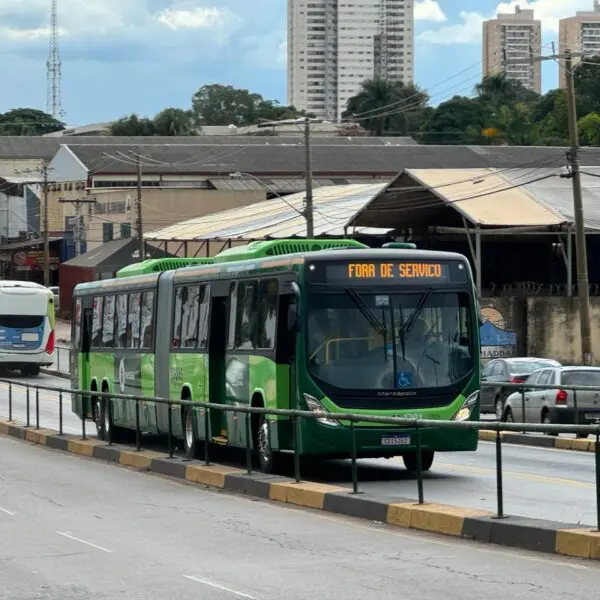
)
(333, 47)
(510, 41)
(580, 33)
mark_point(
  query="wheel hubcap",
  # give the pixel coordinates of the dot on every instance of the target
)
(263, 443)
(189, 430)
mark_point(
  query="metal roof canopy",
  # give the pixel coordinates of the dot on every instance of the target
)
(334, 206)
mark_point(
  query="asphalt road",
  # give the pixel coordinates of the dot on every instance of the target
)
(540, 483)
(82, 529)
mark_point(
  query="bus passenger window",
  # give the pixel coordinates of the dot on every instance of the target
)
(97, 323)
(179, 300)
(246, 316)
(267, 314)
(133, 320)
(147, 333)
(189, 320)
(108, 327)
(121, 321)
(203, 316)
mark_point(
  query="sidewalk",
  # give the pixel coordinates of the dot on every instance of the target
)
(63, 331)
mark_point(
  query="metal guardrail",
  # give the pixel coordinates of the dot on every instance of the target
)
(61, 351)
(419, 425)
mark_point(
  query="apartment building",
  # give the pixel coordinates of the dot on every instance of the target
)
(580, 33)
(334, 46)
(509, 41)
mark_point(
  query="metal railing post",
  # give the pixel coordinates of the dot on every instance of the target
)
(37, 407)
(206, 435)
(170, 407)
(10, 404)
(354, 464)
(137, 425)
(575, 409)
(523, 406)
(419, 458)
(499, 485)
(27, 401)
(109, 407)
(597, 453)
(84, 405)
(248, 447)
(60, 412)
(296, 442)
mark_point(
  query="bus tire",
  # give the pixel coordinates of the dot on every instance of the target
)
(410, 460)
(190, 445)
(31, 370)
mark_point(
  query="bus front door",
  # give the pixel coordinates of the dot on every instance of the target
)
(217, 345)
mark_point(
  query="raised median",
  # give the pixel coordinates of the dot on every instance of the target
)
(576, 540)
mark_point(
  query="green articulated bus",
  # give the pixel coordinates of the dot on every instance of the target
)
(290, 324)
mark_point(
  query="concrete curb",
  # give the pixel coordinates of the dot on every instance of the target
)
(530, 534)
(55, 373)
(522, 439)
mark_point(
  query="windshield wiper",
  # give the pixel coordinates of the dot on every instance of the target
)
(416, 312)
(377, 325)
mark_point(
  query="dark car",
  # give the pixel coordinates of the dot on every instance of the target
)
(507, 370)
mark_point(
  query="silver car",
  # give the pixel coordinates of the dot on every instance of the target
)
(557, 405)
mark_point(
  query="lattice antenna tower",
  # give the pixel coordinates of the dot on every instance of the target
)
(53, 66)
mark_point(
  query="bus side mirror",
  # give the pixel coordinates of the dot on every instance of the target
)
(293, 312)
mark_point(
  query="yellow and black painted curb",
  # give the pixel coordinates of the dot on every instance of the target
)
(529, 534)
(538, 441)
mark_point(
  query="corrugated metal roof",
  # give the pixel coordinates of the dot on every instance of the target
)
(333, 207)
(557, 193)
(285, 185)
(489, 198)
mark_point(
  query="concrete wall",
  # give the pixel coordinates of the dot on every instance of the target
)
(540, 326)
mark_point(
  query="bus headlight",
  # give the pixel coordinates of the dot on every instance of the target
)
(467, 408)
(315, 406)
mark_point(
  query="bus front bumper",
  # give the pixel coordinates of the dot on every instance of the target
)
(376, 442)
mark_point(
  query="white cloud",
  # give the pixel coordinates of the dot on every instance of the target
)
(548, 11)
(429, 10)
(467, 32)
(197, 18)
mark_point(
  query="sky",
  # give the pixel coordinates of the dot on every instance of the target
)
(124, 56)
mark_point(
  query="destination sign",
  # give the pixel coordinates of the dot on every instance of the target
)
(383, 272)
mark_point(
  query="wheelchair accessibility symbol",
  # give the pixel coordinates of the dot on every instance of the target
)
(404, 379)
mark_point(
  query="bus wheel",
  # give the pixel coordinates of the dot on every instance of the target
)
(266, 456)
(410, 460)
(31, 370)
(189, 438)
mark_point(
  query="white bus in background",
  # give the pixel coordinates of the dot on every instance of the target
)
(27, 322)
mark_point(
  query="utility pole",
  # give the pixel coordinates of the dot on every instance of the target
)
(310, 223)
(583, 289)
(139, 227)
(309, 205)
(79, 228)
(45, 228)
(580, 242)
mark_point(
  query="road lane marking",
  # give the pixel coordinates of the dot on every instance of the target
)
(7, 512)
(544, 448)
(217, 586)
(521, 475)
(76, 539)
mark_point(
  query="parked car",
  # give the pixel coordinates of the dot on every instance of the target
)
(557, 405)
(507, 370)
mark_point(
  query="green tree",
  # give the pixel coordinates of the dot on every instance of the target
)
(28, 121)
(383, 106)
(133, 125)
(587, 84)
(513, 125)
(174, 121)
(460, 120)
(589, 129)
(497, 91)
(217, 104)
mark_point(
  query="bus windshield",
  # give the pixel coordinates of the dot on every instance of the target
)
(386, 341)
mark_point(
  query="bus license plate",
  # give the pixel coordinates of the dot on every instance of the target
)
(395, 440)
(30, 337)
